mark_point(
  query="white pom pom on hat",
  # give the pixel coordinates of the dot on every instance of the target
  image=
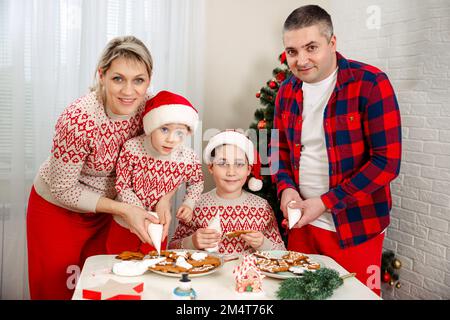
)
(168, 107)
(238, 139)
(255, 184)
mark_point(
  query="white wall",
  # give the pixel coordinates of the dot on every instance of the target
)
(243, 41)
(412, 46)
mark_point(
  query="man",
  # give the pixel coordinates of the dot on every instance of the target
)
(339, 147)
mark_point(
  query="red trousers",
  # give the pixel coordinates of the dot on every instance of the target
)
(120, 239)
(362, 259)
(59, 241)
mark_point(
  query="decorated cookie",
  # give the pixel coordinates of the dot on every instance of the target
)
(237, 233)
(129, 255)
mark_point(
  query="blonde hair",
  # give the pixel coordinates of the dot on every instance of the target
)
(128, 47)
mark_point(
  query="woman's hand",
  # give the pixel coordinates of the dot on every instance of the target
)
(138, 220)
(254, 239)
(205, 238)
(163, 210)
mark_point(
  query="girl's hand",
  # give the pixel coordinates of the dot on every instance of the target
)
(184, 213)
(163, 210)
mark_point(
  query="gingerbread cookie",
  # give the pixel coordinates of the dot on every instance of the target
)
(129, 255)
(202, 269)
(169, 268)
(185, 261)
(294, 262)
(237, 233)
(264, 255)
(293, 257)
(209, 260)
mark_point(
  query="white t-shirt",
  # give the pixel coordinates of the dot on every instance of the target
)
(314, 175)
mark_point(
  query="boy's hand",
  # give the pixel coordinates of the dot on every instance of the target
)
(205, 238)
(184, 213)
(254, 239)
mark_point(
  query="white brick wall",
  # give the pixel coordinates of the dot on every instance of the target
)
(412, 46)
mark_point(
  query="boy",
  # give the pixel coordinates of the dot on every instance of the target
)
(230, 156)
(154, 165)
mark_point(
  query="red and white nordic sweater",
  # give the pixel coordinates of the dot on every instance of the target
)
(248, 212)
(86, 146)
(144, 175)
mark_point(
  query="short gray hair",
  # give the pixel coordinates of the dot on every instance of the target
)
(307, 16)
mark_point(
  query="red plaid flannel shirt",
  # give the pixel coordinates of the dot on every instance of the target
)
(363, 139)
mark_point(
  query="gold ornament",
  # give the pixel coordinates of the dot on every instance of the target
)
(397, 264)
(398, 285)
(391, 283)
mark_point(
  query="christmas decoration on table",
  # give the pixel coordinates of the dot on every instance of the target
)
(113, 290)
(389, 269)
(184, 291)
(263, 124)
(318, 285)
(247, 275)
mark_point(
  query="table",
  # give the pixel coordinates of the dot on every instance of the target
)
(158, 287)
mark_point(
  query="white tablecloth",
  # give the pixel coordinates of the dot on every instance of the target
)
(219, 285)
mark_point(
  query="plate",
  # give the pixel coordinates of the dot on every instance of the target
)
(178, 275)
(132, 268)
(287, 274)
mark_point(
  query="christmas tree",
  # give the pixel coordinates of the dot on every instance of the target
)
(262, 126)
(390, 266)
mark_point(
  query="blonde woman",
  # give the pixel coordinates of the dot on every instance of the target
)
(72, 199)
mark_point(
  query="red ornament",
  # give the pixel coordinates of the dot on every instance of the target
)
(262, 124)
(258, 95)
(283, 57)
(281, 77)
(386, 277)
(273, 85)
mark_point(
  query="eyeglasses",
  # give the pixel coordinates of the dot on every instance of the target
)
(236, 165)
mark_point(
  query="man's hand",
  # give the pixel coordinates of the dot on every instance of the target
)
(205, 238)
(184, 213)
(287, 196)
(312, 209)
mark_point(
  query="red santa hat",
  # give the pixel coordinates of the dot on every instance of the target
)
(167, 107)
(238, 139)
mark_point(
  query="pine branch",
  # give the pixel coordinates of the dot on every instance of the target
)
(316, 285)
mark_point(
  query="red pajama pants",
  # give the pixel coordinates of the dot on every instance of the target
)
(362, 259)
(120, 239)
(59, 241)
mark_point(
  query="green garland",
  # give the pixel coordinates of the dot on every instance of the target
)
(318, 285)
